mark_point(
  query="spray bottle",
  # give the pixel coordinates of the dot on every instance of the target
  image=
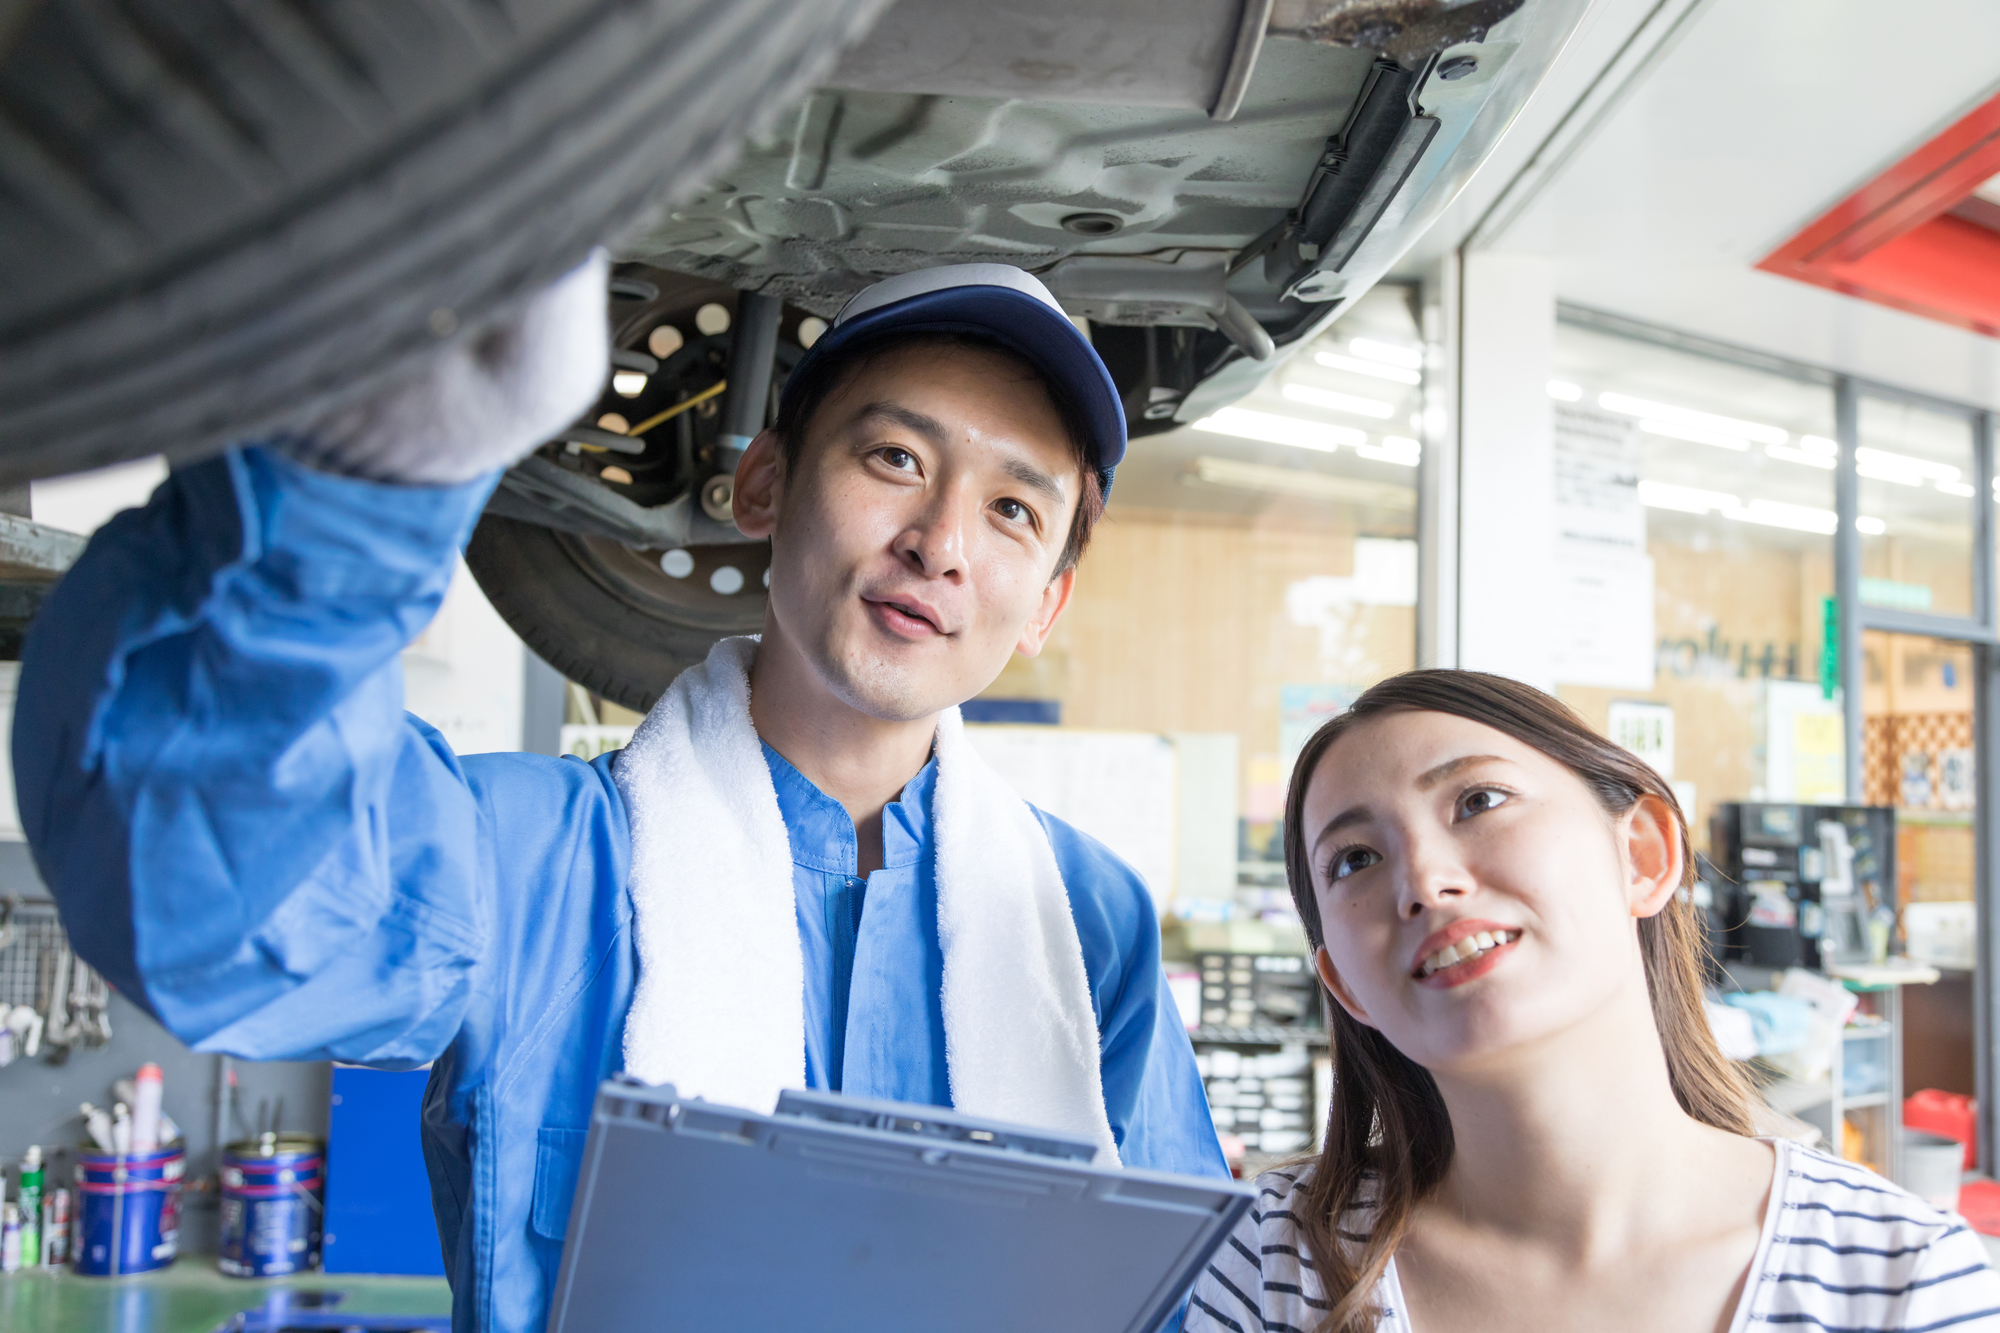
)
(10, 1239)
(30, 1197)
(55, 1228)
(146, 1109)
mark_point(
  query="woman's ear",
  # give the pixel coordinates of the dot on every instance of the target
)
(1654, 855)
(1337, 987)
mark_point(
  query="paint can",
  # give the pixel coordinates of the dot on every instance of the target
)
(273, 1193)
(128, 1211)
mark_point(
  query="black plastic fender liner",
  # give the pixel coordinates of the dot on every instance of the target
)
(213, 212)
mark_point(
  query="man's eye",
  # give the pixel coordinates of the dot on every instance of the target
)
(1347, 862)
(1012, 510)
(900, 459)
(1480, 800)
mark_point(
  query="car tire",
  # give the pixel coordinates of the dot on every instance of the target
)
(214, 213)
(605, 614)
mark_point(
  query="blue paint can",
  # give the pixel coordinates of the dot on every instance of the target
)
(273, 1194)
(128, 1211)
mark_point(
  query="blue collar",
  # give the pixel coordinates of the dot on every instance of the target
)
(822, 834)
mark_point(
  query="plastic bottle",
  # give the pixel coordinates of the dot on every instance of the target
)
(146, 1109)
(10, 1239)
(30, 1196)
(99, 1126)
(121, 1129)
(55, 1228)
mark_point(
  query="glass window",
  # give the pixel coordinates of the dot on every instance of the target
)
(1255, 570)
(1916, 512)
(1731, 476)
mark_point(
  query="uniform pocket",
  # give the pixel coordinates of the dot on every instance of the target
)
(558, 1156)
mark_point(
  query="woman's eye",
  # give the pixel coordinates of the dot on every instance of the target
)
(1479, 801)
(1353, 859)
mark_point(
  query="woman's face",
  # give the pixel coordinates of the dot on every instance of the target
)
(1473, 894)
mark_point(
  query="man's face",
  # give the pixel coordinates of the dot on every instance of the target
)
(914, 541)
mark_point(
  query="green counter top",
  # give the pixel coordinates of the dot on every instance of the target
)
(190, 1297)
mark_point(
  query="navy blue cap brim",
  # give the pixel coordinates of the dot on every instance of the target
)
(1043, 337)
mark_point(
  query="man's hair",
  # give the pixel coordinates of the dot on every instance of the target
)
(805, 394)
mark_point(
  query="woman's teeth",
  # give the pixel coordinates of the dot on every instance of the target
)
(1469, 947)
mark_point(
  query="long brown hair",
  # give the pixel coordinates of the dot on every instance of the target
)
(1388, 1136)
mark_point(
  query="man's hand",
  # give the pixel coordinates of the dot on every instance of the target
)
(479, 404)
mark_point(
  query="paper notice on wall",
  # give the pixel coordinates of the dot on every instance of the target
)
(1602, 607)
(1598, 458)
(1603, 620)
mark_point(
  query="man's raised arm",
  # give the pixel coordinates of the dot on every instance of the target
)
(243, 829)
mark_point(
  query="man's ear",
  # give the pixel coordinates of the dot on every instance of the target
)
(1054, 598)
(1654, 854)
(760, 487)
(1337, 987)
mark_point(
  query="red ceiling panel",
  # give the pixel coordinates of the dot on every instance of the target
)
(1896, 242)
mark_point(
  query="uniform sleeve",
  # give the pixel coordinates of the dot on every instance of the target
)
(243, 830)
(1152, 1090)
(1954, 1285)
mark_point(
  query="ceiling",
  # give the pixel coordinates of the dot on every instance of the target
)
(1753, 119)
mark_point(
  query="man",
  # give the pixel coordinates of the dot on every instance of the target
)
(797, 873)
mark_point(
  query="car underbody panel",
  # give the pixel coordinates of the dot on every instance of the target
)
(1345, 142)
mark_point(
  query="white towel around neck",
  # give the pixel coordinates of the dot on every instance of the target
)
(719, 1008)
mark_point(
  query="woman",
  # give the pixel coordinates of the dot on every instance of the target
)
(1531, 1127)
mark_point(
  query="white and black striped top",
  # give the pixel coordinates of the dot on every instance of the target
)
(1842, 1251)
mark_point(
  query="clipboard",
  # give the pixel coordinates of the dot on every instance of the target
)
(842, 1215)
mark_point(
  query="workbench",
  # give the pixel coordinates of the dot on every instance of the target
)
(190, 1296)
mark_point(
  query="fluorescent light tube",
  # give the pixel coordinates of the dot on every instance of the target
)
(1626, 405)
(1340, 402)
(1693, 434)
(1272, 428)
(1791, 455)
(1377, 369)
(1565, 392)
(1410, 358)
(1686, 499)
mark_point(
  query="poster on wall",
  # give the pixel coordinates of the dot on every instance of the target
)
(1805, 748)
(1647, 730)
(1603, 626)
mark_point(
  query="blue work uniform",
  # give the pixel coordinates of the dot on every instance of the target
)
(250, 837)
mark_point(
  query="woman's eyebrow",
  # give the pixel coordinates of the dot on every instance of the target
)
(1358, 814)
(1432, 777)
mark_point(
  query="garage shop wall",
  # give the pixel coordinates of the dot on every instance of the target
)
(464, 674)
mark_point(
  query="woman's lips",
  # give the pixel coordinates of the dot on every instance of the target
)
(1462, 952)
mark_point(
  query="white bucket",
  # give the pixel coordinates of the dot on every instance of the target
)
(1931, 1167)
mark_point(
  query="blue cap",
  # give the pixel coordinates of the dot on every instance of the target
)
(996, 301)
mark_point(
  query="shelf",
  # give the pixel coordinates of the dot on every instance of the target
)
(1864, 1102)
(1791, 1097)
(1268, 1036)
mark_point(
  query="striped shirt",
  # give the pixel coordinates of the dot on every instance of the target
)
(1842, 1251)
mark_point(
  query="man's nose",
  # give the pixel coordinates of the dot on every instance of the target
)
(934, 541)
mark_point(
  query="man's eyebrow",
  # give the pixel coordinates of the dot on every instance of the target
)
(1035, 479)
(909, 418)
(1450, 766)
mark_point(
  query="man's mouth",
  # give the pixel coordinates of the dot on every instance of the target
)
(906, 616)
(1465, 950)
